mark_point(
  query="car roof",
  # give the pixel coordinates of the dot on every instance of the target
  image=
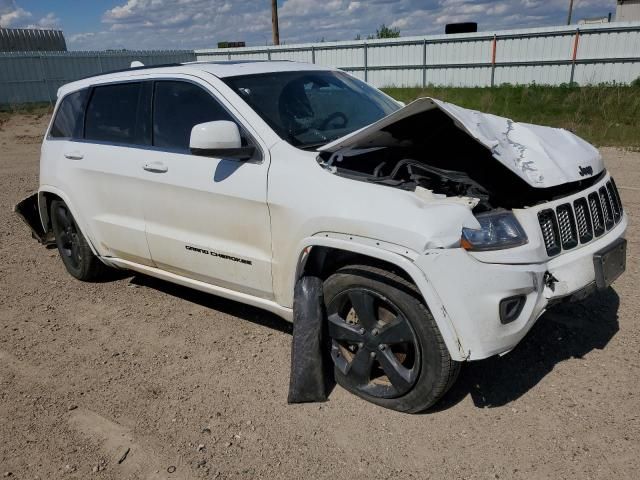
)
(251, 67)
(222, 69)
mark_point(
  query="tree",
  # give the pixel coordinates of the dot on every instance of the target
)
(385, 32)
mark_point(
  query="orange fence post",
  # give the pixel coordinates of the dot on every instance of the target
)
(574, 56)
(494, 45)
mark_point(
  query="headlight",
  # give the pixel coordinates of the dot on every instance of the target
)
(497, 230)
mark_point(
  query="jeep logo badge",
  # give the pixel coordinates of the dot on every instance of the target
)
(585, 171)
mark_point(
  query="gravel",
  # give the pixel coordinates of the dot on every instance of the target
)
(563, 404)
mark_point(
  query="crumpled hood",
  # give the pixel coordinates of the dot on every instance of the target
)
(542, 156)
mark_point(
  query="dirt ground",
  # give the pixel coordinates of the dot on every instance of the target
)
(137, 378)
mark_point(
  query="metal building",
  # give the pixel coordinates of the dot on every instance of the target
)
(628, 11)
(31, 40)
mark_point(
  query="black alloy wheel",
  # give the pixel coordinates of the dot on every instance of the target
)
(373, 344)
(75, 252)
(385, 345)
(67, 236)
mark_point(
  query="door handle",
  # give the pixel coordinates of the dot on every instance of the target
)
(156, 167)
(74, 156)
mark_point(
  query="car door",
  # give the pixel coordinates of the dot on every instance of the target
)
(100, 169)
(206, 218)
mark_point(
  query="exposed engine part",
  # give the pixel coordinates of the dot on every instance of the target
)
(407, 174)
(412, 173)
(430, 151)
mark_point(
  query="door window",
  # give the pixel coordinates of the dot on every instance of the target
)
(119, 114)
(177, 108)
(70, 116)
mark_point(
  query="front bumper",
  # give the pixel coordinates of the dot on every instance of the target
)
(471, 291)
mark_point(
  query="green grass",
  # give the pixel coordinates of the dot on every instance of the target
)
(602, 115)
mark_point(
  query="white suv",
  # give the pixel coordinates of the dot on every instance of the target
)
(440, 234)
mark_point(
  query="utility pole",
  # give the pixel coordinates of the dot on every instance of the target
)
(274, 22)
(570, 12)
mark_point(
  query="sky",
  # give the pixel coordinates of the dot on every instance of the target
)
(188, 24)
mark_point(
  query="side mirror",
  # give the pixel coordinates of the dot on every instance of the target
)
(219, 139)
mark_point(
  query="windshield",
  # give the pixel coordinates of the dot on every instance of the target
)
(309, 109)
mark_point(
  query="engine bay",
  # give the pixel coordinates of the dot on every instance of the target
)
(429, 150)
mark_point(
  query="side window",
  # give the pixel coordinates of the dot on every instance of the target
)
(70, 116)
(177, 108)
(119, 113)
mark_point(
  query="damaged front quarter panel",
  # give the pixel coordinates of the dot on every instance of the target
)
(457, 211)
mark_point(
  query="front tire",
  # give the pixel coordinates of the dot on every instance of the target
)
(385, 344)
(74, 250)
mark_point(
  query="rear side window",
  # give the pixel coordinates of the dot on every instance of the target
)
(70, 116)
(177, 108)
(119, 114)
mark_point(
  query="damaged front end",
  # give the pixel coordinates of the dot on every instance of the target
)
(488, 161)
(29, 212)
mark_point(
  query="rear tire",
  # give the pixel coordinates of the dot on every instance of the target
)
(74, 250)
(385, 344)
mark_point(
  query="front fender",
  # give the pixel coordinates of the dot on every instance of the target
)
(397, 255)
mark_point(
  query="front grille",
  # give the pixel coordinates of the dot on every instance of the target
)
(549, 226)
(583, 220)
(607, 208)
(616, 194)
(567, 226)
(596, 214)
(614, 202)
(570, 225)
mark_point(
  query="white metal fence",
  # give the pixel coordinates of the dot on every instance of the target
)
(36, 76)
(587, 54)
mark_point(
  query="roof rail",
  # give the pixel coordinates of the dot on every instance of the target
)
(129, 69)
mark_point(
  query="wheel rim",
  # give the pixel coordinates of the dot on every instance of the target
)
(68, 238)
(372, 344)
